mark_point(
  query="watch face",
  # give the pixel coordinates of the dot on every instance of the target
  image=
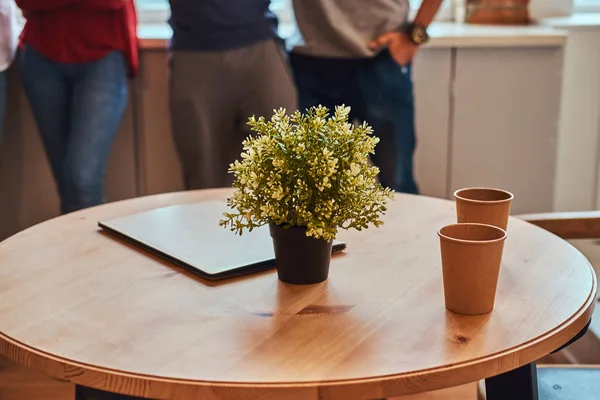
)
(419, 34)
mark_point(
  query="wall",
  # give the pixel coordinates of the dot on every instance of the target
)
(578, 160)
(550, 8)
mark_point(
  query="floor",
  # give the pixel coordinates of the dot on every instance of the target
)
(18, 383)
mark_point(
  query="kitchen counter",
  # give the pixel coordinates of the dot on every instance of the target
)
(575, 21)
(443, 34)
(447, 34)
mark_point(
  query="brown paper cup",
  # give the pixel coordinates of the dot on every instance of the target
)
(483, 206)
(471, 257)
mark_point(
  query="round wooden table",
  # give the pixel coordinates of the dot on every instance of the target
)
(81, 306)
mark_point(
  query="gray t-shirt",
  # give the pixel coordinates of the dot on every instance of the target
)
(344, 28)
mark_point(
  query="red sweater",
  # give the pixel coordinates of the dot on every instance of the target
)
(80, 31)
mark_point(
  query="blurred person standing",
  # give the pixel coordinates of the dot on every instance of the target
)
(227, 64)
(360, 54)
(75, 60)
(8, 45)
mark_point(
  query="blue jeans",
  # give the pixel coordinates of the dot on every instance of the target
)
(380, 92)
(78, 109)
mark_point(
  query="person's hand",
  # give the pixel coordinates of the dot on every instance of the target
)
(401, 48)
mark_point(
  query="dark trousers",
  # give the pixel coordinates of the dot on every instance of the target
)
(212, 95)
(78, 109)
(380, 92)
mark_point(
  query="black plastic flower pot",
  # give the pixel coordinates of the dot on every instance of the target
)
(300, 260)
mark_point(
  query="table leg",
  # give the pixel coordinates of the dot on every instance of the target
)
(518, 384)
(85, 393)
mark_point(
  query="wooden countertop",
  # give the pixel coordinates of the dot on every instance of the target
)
(443, 34)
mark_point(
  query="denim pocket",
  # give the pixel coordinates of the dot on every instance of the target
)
(393, 79)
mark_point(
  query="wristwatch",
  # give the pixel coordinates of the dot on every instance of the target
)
(417, 33)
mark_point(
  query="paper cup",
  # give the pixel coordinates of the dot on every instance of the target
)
(471, 258)
(483, 206)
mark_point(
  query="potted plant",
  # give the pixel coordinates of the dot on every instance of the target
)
(306, 175)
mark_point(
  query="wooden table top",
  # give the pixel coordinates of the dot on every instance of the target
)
(79, 305)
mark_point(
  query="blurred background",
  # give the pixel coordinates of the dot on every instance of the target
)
(508, 106)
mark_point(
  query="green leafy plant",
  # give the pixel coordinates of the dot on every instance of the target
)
(307, 170)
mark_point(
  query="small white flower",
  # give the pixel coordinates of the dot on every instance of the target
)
(278, 182)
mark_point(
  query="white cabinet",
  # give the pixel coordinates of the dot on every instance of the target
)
(504, 127)
(432, 74)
